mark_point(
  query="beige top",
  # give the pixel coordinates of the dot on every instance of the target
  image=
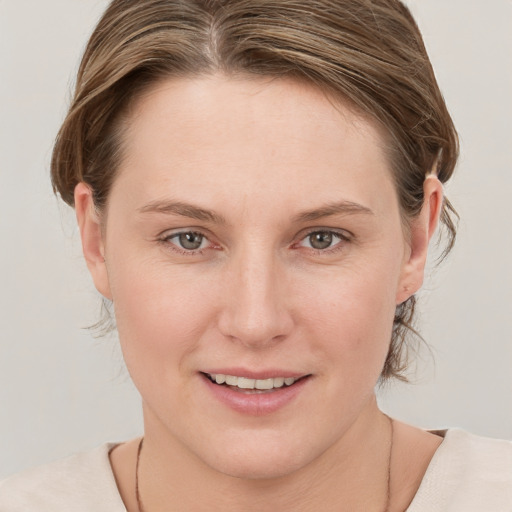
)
(467, 474)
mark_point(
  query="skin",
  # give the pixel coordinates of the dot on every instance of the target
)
(265, 158)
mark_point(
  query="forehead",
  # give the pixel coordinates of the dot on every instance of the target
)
(246, 136)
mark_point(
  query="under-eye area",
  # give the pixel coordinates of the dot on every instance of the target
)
(253, 385)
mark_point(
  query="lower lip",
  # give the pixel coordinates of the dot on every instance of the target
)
(256, 404)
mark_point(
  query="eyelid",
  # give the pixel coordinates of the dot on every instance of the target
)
(342, 233)
(173, 232)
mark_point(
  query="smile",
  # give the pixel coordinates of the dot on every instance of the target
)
(255, 396)
(252, 384)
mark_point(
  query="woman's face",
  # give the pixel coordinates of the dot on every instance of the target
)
(253, 231)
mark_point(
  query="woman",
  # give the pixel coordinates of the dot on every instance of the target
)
(256, 185)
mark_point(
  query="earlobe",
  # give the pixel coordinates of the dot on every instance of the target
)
(92, 240)
(422, 228)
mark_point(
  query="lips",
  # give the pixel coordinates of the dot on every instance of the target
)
(255, 393)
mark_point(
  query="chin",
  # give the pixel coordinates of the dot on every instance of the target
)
(258, 469)
(252, 461)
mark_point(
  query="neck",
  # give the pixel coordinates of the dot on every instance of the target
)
(353, 474)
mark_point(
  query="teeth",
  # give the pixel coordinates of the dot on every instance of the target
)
(264, 384)
(230, 380)
(278, 382)
(245, 383)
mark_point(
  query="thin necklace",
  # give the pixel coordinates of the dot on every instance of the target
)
(137, 492)
(391, 439)
(388, 496)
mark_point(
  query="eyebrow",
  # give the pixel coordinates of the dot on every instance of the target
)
(183, 209)
(202, 214)
(329, 209)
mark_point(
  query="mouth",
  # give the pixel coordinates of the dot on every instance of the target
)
(252, 386)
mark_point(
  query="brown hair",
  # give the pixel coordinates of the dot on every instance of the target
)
(367, 52)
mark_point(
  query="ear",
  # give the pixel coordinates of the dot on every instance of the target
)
(93, 245)
(422, 229)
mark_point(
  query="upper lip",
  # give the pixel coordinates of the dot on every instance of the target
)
(255, 374)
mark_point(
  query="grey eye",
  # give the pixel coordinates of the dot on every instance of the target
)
(190, 240)
(320, 239)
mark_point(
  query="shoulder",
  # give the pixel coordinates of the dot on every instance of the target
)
(79, 483)
(468, 473)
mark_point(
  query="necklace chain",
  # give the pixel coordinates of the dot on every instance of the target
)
(388, 494)
(137, 492)
(388, 485)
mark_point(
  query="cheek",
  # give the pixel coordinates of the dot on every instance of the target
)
(351, 314)
(161, 314)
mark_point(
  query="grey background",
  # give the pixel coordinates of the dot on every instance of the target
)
(61, 391)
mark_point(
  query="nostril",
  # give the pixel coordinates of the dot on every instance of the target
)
(256, 331)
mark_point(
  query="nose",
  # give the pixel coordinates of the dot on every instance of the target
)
(256, 310)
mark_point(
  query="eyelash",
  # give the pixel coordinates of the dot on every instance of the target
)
(343, 238)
